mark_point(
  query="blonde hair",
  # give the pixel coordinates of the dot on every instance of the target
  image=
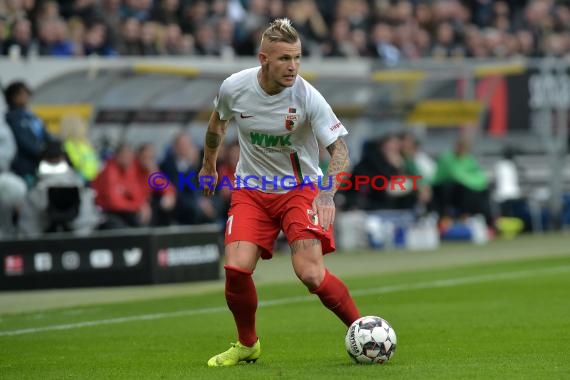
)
(280, 30)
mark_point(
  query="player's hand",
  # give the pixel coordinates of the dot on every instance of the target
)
(208, 188)
(324, 207)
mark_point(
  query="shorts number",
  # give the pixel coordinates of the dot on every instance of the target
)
(229, 224)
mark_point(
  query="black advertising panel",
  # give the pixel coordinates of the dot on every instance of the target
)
(176, 257)
(109, 259)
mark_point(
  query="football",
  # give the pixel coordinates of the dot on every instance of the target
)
(370, 340)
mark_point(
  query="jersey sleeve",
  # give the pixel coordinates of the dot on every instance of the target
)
(325, 124)
(222, 102)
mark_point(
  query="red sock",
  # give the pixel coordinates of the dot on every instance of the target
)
(335, 296)
(241, 298)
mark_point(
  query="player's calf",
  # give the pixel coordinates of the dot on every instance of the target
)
(334, 294)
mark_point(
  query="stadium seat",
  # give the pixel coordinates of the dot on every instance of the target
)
(63, 207)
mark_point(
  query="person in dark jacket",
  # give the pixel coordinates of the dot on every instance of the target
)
(381, 158)
(181, 165)
(28, 129)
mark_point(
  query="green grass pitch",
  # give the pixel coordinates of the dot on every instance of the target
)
(500, 311)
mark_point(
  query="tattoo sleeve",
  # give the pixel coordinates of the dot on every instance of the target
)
(338, 163)
(214, 136)
(213, 140)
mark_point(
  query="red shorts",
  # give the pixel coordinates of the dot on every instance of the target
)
(258, 217)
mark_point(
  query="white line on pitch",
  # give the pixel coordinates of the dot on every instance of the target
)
(290, 300)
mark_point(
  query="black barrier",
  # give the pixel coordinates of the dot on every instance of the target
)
(125, 257)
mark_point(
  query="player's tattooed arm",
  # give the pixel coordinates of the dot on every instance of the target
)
(338, 163)
(323, 204)
(214, 137)
(213, 140)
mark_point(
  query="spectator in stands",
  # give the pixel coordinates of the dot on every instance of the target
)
(225, 30)
(398, 30)
(340, 43)
(11, 11)
(527, 44)
(359, 39)
(59, 201)
(12, 188)
(422, 41)
(205, 43)
(149, 39)
(80, 152)
(383, 45)
(28, 130)
(423, 15)
(54, 39)
(87, 10)
(111, 12)
(171, 43)
(445, 43)
(20, 41)
(118, 192)
(234, 10)
(405, 40)
(162, 201)
(139, 9)
(193, 15)
(358, 12)
(130, 38)
(418, 162)
(556, 45)
(256, 17)
(461, 187)
(307, 18)
(382, 158)
(166, 12)
(77, 32)
(96, 41)
(47, 11)
(183, 162)
(8, 146)
(507, 190)
(247, 45)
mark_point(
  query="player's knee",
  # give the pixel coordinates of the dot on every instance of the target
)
(242, 256)
(241, 264)
(311, 276)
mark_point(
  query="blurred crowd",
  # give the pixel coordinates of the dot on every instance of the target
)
(452, 185)
(454, 180)
(51, 183)
(62, 183)
(391, 30)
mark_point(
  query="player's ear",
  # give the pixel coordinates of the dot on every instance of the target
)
(262, 58)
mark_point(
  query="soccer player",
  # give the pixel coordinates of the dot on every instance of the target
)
(281, 121)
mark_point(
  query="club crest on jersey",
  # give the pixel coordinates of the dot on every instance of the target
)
(313, 217)
(291, 119)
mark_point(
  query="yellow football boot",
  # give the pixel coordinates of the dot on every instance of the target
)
(237, 353)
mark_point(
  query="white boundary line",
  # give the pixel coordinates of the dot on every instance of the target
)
(291, 300)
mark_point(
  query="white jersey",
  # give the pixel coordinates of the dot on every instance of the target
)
(279, 135)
